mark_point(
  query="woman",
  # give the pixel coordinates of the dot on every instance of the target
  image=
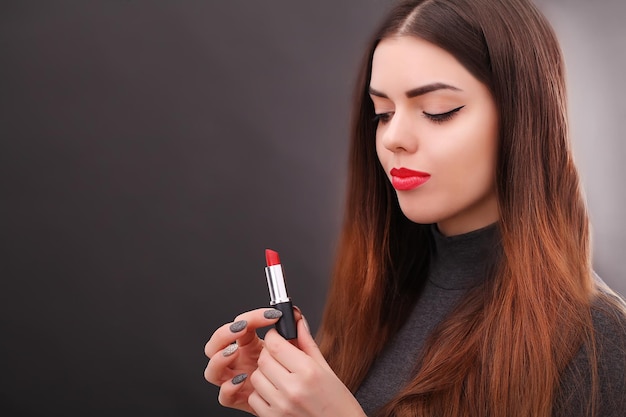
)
(463, 285)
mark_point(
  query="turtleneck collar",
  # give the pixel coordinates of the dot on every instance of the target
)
(463, 261)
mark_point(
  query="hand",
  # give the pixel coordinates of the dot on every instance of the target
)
(233, 351)
(297, 381)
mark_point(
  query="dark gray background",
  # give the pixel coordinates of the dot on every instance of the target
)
(151, 150)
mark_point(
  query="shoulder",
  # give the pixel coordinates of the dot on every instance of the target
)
(608, 313)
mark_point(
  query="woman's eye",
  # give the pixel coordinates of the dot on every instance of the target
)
(442, 117)
(382, 118)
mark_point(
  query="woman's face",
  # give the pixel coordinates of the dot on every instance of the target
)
(437, 135)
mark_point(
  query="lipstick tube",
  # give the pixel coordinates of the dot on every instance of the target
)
(286, 325)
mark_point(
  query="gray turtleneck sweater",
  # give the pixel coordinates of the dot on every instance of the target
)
(459, 263)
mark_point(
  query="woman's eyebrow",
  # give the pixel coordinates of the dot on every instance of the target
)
(425, 89)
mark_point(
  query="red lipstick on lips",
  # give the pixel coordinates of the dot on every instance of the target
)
(404, 179)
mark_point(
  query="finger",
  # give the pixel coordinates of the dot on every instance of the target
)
(288, 355)
(272, 371)
(229, 390)
(223, 337)
(297, 313)
(242, 329)
(264, 387)
(258, 405)
(307, 344)
(218, 369)
(256, 319)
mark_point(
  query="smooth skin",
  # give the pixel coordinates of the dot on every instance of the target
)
(222, 369)
(450, 133)
(285, 378)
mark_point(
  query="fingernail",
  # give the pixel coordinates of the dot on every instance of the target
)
(238, 326)
(239, 379)
(232, 348)
(306, 324)
(272, 314)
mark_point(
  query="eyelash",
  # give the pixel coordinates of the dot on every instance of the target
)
(436, 118)
(442, 117)
(381, 117)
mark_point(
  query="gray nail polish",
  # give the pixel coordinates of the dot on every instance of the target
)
(239, 379)
(238, 326)
(272, 314)
(232, 348)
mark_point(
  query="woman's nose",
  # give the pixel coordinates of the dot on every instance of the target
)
(399, 134)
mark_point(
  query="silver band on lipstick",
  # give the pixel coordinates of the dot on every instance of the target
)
(276, 284)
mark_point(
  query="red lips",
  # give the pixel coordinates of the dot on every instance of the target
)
(404, 179)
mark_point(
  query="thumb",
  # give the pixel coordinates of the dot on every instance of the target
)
(307, 344)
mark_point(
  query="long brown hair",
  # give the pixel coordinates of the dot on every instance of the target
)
(502, 350)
